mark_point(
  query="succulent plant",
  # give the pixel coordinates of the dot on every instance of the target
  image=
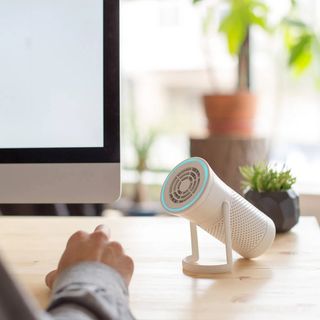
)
(265, 178)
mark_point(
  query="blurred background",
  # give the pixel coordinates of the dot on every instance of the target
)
(175, 51)
(256, 61)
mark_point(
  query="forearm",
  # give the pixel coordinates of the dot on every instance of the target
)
(90, 291)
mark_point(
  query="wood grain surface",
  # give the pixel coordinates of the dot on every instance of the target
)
(284, 283)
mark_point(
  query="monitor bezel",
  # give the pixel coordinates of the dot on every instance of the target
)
(110, 152)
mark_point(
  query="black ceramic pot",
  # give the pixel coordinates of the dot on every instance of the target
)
(281, 206)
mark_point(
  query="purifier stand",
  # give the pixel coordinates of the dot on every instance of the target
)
(190, 264)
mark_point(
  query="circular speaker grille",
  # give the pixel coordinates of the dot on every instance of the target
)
(184, 185)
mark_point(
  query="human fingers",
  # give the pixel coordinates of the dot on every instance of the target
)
(129, 268)
(115, 247)
(77, 237)
(50, 278)
(103, 228)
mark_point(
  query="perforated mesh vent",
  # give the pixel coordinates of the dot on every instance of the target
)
(184, 185)
(245, 220)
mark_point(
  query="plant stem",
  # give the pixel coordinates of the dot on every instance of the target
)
(244, 64)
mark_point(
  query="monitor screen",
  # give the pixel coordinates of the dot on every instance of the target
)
(51, 79)
(59, 81)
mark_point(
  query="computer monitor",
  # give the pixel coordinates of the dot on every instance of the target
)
(59, 101)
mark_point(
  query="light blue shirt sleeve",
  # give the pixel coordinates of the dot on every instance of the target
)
(86, 291)
(89, 291)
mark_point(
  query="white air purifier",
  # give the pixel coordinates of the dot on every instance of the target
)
(193, 191)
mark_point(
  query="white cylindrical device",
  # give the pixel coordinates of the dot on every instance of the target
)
(193, 191)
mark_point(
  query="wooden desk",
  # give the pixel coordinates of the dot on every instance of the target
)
(282, 284)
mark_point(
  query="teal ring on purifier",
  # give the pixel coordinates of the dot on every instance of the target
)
(198, 195)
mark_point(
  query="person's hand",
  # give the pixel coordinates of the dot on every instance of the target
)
(84, 247)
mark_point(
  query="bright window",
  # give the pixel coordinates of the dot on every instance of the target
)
(164, 60)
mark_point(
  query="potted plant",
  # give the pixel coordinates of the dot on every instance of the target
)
(142, 145)
(270, 190)
(142, 140)
(233, 114)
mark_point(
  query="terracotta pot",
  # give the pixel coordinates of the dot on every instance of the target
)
(231, 114)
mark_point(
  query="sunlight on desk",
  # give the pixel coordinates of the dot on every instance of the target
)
(282, 284)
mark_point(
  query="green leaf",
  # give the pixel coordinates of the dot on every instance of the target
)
(259, 21)
(303, 62)
(288, 38)
(303, 45)
(293, 3)
(235, 31)
(287, 21)
(241, 16)
(261, 178)
(301, 53)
